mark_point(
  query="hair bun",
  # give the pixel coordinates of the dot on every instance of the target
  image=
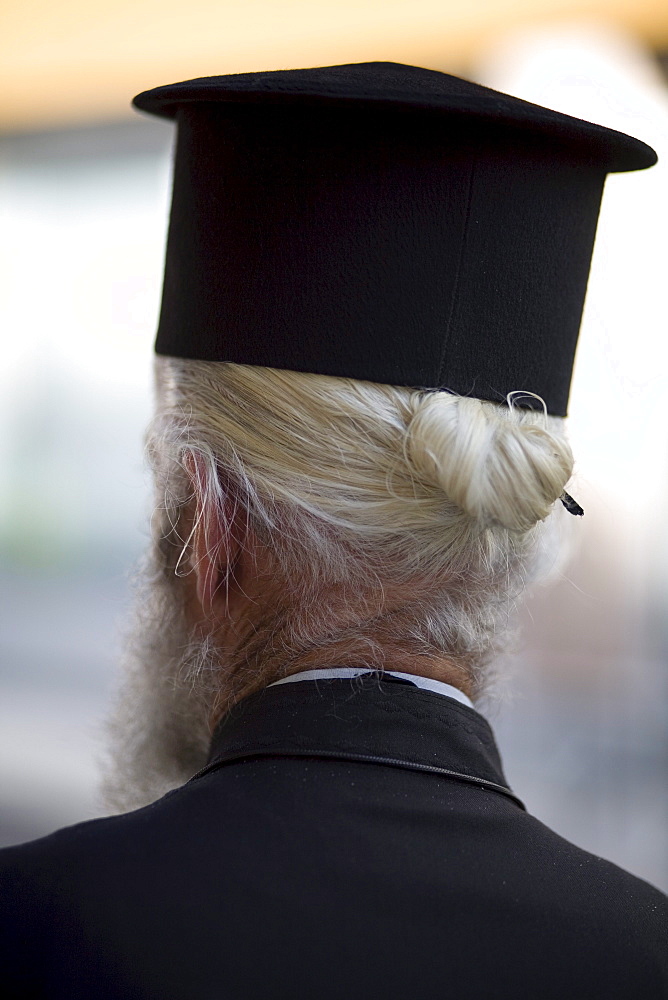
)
(501, 466)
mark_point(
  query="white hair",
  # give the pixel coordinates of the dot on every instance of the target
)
(366, 487)
(361, 491)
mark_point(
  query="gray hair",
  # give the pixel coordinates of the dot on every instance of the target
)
(361, 487)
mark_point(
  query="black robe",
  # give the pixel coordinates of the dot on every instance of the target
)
(350, 839)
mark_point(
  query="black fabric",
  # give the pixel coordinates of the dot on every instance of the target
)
(266, 726)
(411, 88)
(304, 877)
(382, 222)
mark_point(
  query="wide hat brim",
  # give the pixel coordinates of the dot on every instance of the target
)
(392, 85)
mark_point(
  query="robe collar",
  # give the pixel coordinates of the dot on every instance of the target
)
(373, 718)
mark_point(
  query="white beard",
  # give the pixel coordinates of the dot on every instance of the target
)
(158, 731)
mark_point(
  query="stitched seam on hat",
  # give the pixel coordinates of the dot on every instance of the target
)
(455, 291)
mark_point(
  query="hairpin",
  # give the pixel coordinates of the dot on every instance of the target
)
(571, 505)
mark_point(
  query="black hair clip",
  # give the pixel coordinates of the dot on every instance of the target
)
(571, 505)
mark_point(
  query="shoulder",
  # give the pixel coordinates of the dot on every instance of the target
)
(77, 862)
(568, 870)
(541, 904)
(55, 894)
(613, 915)
(60, 855)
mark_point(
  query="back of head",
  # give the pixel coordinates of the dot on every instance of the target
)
(425, 502)
(364, 261)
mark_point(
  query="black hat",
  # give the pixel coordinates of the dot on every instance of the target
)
(382, 222)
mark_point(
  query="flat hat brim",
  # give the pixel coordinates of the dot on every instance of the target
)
(392, 88)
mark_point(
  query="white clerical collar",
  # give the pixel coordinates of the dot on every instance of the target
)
(428, 683)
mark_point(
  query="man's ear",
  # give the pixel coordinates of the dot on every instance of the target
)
(214, 548)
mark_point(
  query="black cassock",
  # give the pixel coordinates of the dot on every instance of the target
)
(350, 838)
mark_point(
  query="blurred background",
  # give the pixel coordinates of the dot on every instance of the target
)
(84, 201)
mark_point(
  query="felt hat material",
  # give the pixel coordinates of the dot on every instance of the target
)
(382, 222)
